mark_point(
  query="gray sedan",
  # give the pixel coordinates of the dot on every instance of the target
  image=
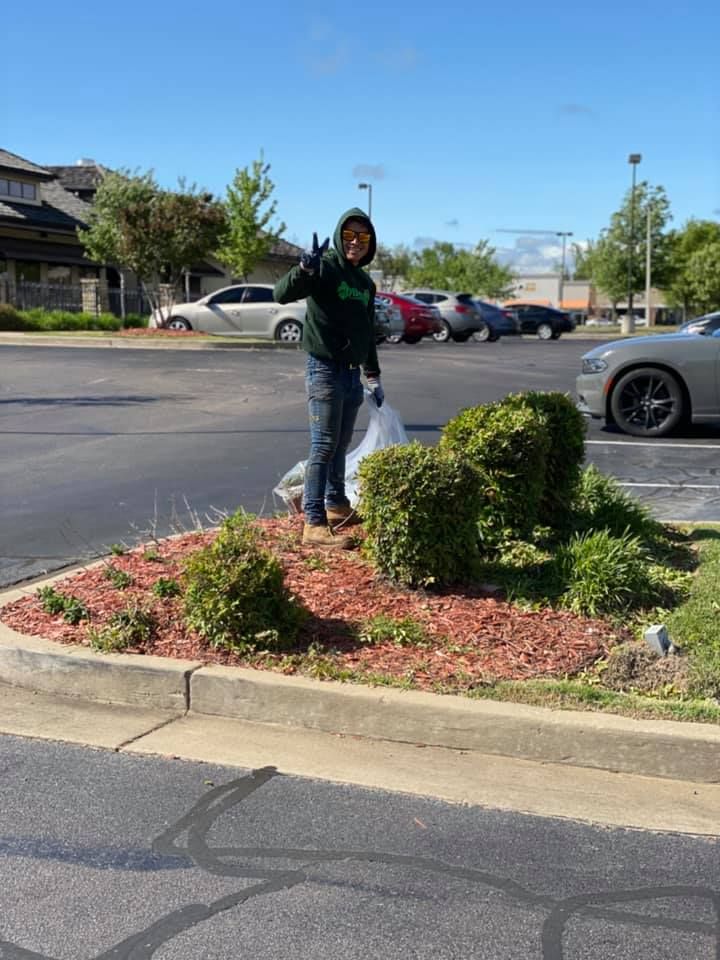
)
(242, 310)
(648, 386)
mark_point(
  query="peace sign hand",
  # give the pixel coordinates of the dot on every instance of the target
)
(310, 260)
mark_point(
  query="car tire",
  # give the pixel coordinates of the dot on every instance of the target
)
(648, 402)
(482, 334)
(289, 331)
(379, 340)
(411, 338)
(544, 331)
(178, 323)
(556, 335)
(443, 334)
(394, 338)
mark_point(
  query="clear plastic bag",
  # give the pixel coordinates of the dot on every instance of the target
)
(384, 430)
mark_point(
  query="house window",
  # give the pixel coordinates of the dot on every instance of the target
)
(58, 274)
(3, 269)
(17, 189)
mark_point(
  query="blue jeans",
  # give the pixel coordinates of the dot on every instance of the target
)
(335, 395)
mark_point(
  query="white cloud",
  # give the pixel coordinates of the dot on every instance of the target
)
(369, 171)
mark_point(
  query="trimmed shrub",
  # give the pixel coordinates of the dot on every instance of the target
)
(600, 504)
(565, 455)
(419, 510)
(605, 574)
(10, 318)
(508, 445)
(134, 320)
(235, 596)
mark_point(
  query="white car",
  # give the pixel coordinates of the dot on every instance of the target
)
(242, 310)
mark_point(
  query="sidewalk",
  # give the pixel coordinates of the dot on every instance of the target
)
(19, 339)
(555, 762)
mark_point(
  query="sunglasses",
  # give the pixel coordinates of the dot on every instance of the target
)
(350, 235)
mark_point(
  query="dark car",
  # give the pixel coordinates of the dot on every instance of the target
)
(705, 325)
(497, 322)
(419, 320)
(547, 322)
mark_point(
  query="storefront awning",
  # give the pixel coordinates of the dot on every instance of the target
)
(574, 305)
(43, 252)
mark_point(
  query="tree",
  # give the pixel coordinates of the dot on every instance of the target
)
(702, 276)
(394, 263)
(608, 261)
(694, 237)
(475, 271)
(582, 260)
(247, 238)
(158, 234)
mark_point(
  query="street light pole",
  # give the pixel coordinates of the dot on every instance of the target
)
(564, 234)
(368, 187)
(649, 315)
(629, 321)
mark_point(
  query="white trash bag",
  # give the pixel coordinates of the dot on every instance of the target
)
(384, 430)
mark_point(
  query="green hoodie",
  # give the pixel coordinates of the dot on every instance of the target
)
(340, 320)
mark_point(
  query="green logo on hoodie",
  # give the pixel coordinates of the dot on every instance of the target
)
(346, 292)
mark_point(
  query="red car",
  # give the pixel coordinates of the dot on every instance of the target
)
(419, 319)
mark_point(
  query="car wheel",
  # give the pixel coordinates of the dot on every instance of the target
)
(289, 331)
(411, 338)
(544, 331)
(482, 334)
(443, 334)
(556, 335)
(177, 323)
(395, 338)
(647, 402)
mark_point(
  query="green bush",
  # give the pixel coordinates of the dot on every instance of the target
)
(131, 627)
(565, 455)
(600, 504)
(133, 320)
(55, 602)
(235, 596)
(605, 574)
(11, 319)
(508, 445)
(419, 507)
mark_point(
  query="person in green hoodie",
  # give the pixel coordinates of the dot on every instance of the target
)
(339, 338)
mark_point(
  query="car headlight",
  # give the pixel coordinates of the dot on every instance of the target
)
(593, 365)
(695, 328)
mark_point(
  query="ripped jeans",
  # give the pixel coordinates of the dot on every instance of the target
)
(335, 395)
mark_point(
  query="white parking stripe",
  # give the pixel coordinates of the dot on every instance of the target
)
(673, 486)
(654, 443)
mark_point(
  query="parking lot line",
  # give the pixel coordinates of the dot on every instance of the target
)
(673, 486)
(654, 443)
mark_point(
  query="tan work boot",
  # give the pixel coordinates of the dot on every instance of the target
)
(341, 517)
(320, 535)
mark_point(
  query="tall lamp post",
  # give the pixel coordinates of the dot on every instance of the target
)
(368, 187)
(628, 325)
(564, 234)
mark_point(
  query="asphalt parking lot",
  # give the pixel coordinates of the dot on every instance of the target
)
(104, 445)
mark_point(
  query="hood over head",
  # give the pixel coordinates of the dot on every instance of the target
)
(355, 213)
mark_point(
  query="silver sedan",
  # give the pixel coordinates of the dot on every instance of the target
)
(242, 310)
(650, 385)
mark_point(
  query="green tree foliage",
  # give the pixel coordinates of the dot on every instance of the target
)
(606, 261)
(394, 263)
(582, 259)
(473, 271)
(156, 233)
(248, 236)
(687, 246)
(703, 277)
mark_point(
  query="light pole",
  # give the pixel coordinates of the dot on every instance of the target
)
(564, 234)
(368, 187)
(629, 321)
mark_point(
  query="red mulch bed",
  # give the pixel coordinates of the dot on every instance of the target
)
(153, 332)
(477, 638)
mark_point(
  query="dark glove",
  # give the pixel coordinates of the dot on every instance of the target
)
(310, 260)
(376, 389)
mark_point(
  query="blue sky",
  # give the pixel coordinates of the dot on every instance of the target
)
(465, 118)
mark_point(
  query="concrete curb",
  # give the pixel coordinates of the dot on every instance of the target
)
(41, 340)
(662, 748)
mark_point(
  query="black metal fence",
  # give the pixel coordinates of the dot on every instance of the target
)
(73, 297)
